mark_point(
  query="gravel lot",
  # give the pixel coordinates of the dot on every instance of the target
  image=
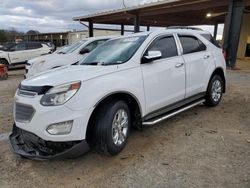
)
(202, 147)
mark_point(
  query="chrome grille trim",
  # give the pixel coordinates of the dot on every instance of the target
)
(23, 113)
(24, 93)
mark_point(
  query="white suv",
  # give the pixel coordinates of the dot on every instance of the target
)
(130, 81)
(66, 56)
(17, 53)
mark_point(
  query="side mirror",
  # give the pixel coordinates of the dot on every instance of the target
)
(84, 51)
(151, 56)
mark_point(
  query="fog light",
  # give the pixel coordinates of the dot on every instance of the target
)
(60, 128)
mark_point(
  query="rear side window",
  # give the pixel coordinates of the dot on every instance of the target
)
(211, 39)
(33, 45)
(166, 45)
(191, 44)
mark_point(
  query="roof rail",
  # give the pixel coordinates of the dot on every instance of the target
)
(184, 27)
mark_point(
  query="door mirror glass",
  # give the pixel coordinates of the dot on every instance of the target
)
(151, 56)
(84, 51)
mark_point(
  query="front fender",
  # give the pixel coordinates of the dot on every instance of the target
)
(93, 91)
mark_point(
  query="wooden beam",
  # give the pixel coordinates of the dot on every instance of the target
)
(91, 29)
(122, 29)
(137, 24)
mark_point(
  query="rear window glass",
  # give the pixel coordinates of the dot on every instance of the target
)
(191, 44)
(33, 45)
(211, 39)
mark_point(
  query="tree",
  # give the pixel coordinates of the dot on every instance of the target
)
(32, 32)
(3, 37)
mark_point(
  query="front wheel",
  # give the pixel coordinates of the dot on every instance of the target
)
(113, 123)
(5, 62)
(214, 91)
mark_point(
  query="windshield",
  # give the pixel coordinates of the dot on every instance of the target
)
(72, 48)
(115, 51)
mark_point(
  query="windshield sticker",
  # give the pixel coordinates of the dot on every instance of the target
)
(131, 39)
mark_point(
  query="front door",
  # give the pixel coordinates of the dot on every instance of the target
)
(164, 79)
(18, 53)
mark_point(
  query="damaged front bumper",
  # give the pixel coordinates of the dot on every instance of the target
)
(31, 146)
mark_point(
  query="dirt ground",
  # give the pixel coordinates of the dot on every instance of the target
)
(202, 147)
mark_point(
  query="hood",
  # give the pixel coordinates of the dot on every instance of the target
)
(68, 74)
(45, 58)
(48, 59)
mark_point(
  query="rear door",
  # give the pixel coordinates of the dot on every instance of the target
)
(198, 62)
(164, 79)
(34, 49)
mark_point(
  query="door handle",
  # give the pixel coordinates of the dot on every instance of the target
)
(179, 65)
(206, 56)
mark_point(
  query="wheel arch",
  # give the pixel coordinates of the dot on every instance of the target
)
(5, 60)
(129, 98)
(219, 71)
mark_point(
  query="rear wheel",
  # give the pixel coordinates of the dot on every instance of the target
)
(112, 127)
(214, 91)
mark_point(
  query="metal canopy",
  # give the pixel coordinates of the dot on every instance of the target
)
(181, 13)
(165, 13)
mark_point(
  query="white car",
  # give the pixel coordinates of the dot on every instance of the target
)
(65, 56)
(17, 53)
(134, 80)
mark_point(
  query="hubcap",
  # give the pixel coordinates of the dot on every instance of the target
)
(216, 90)
(120, 127)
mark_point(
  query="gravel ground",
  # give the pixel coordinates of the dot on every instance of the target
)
(202, 147)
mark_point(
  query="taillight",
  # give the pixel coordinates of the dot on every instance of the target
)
(224, 54)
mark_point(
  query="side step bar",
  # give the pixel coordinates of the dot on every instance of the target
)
(162, 118)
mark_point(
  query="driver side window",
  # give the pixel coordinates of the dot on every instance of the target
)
(166, 45)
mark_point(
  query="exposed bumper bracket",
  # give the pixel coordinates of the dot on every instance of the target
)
(31, 146)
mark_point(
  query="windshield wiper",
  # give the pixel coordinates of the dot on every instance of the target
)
(93, 63)
(113, 63)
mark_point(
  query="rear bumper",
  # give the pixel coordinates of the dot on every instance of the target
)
(31, 146)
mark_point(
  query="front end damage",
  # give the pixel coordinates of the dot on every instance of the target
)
(31, 146)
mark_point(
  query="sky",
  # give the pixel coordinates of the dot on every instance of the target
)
(56, 15)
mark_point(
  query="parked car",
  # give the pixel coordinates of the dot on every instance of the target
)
(134, 80)
(16, 53)
(65, 56)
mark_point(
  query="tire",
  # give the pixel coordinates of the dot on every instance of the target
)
(6, 76)
(112, 137)
(214, 91)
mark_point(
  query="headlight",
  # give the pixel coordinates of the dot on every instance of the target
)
(59, 95)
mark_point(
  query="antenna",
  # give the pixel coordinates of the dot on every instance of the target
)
(123, 2)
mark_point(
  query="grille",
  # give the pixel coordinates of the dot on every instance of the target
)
(24, 113)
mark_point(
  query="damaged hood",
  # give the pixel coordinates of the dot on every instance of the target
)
(68, 74)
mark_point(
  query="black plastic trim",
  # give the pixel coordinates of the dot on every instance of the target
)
(173, 106)
(40, 90)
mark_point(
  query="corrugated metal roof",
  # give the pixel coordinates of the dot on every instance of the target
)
(138, 7)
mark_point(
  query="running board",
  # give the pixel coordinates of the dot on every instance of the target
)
(162, 118)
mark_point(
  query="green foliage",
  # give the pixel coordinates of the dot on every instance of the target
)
(3, 37)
